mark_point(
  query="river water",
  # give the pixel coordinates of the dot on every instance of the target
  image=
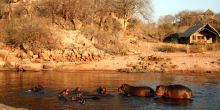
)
(206, 90)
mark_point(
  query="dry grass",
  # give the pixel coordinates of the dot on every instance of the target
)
(197, 49)
(190, 48)
(32, 33)
(213, 47)
(110, 43)
(204, 48)
(171, 49)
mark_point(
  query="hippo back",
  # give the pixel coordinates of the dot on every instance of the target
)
(178, 91)
(141, 91)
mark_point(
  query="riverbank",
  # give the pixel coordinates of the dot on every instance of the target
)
(5, 107)
(208, 62)
(142, 57)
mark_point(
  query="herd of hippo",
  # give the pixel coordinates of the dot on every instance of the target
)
(162, 91)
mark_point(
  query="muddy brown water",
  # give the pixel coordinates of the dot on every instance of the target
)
(206, 90)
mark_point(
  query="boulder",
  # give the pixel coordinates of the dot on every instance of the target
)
(23, 55)
(8, 65)
(44, 56)
(31, 66)
(49, 66)
(3, 54)
(35, 56)
(85, 54)
(13, 1)
(30, 53)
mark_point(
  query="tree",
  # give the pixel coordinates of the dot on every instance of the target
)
(217, 16)
(166, 26)
(189, 18)
(2, 6)
(128, 8)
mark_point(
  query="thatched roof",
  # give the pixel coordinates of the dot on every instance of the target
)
(198, 28)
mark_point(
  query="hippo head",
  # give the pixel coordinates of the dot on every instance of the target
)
(66, 91)
(160, 90)
(40, 87)
(101, 90)
(77, 89)
(123, 87)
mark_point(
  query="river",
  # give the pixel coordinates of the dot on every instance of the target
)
(206, 90)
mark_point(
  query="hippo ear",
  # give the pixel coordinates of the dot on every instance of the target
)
(157, 87)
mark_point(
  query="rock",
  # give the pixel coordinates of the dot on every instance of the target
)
(2, 63)
(23, 55)
(35, 56)
(3, 54)
(24, 47)
(31, 66)
(13, 1)
(58, 57)
(9, 64)
(30, 53)
(49, 66)
(44, 56)
(85, 54)
(78, 24)
(67, 53)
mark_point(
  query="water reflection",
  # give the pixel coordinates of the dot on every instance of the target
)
(173, 102)
(205, 90)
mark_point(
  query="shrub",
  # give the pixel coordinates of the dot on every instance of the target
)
(197, 48)
(213, 47)
(110, 43)
(33, 34)
(133, 23)
(112, 24)
(171, 49)
(173, 38)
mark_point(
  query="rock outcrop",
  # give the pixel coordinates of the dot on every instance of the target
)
(74, 48)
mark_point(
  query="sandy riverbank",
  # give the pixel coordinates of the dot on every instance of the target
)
(164, 62)
(5, 107)
(143, 57)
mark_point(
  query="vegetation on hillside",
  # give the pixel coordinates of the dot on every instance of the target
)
(106, 23)
(29, 22)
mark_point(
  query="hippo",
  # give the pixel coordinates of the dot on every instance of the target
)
(141, 91)
(79, 97)
(101, 90)
(72, 95)
(38, 88)
(173, 91)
